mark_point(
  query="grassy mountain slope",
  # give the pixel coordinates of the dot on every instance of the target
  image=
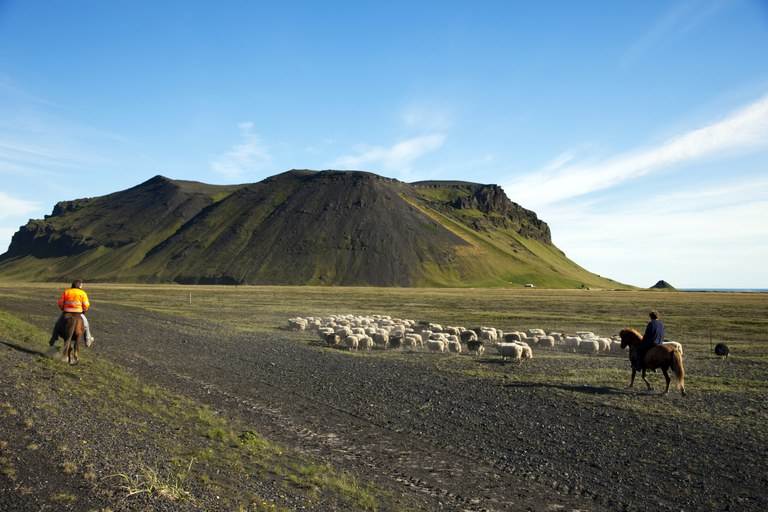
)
(298, 227)
(105, 237)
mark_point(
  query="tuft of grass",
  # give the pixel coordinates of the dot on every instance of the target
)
(7, 468)
(322, 476)
(64, 498)
(150, 481)
(8, 409)
(68, 468)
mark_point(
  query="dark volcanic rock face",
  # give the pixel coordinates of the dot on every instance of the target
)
(41, 240)
(492, 201)
(331, 227)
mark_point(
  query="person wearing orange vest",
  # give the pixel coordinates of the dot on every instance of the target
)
(73, 300)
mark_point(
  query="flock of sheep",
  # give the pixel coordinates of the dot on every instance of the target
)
(355, 332)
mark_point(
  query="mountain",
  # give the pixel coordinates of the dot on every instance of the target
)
(298, 227)
(662, 285)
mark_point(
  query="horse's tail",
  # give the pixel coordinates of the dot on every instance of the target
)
(679, 369)
(71, 327)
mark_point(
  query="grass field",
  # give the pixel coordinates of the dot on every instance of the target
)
(693, 318)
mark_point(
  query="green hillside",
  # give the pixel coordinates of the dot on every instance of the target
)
(298, 227)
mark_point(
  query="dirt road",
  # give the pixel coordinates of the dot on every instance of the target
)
(446, 441)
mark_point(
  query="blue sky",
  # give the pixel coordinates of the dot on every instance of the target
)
(637, 130)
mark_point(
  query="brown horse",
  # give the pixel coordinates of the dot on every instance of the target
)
(659, 356)
(70, 327)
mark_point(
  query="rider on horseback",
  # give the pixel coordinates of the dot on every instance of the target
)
(654, 335)
(73, 300)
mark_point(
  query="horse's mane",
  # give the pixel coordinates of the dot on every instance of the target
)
(629, 333)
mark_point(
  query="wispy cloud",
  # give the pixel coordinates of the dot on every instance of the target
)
(13, 207)
(30, 159)
(427, 118)
(399, 156)
(691, 238)
(741, 131)
(249, 155)
(677, 21)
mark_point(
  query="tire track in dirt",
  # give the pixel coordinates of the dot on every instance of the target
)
(426, 471)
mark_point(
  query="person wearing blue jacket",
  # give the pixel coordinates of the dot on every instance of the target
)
(654, 335)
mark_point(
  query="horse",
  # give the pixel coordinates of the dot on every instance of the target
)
(70, 327)
(658, 356)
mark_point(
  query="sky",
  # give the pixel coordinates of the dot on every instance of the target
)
(637, 130)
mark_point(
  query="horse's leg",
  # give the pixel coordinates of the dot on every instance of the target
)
(666, 377)
(632, 380)
(66, 349)
(646, 380)
(79, 334)
(70, 334)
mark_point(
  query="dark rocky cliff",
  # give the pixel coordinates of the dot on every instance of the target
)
(491, 200)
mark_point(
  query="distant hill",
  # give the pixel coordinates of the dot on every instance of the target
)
(298, 227)
(662, 285)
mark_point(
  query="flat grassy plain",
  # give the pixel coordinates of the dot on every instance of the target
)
(693, 318)
(725, 397)
(698, 320)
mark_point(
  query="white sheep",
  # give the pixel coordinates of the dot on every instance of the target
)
(489, 335)
(572, 343)
(410, 343)
(351, 342)
(546, 342)
(589, 346)
(297, 324)
(344, 331)
(527, 351)
(510, 350)
(437, 345)
(324, 331)
(381, 339)
(535, 332)
(365, 343)
(454, 345)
